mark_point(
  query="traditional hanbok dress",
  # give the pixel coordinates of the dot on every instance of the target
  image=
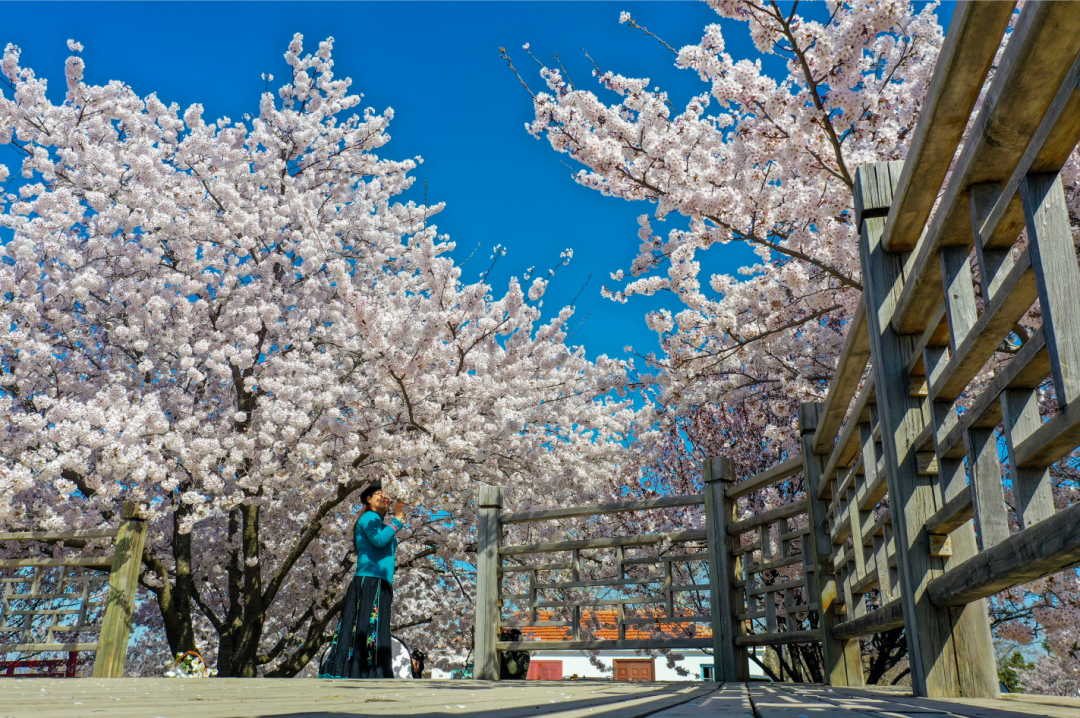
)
(361, 647)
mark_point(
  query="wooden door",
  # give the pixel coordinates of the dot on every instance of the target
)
(634, 669)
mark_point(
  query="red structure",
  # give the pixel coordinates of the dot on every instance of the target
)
(43, 668)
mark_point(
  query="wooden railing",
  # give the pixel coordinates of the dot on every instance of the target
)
(745, 573)
(767, 565)
(903, 473)
(565, 575)
(44, 596)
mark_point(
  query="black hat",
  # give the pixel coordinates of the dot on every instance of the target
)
(367, 492)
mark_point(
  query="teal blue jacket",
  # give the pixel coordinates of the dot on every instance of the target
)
(376, 545)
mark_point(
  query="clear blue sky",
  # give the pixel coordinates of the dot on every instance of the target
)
(456, 103)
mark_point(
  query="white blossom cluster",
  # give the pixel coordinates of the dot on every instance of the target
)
(235, 325)
(768, 161)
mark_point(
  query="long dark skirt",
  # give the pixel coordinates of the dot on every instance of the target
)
(361, 646)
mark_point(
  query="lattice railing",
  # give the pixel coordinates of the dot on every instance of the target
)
(772, 587)
(58, 603)
(657, 596)
(904, 454)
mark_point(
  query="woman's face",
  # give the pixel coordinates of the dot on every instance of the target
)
(379, 501)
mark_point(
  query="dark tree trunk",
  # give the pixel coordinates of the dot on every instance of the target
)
(890, 648)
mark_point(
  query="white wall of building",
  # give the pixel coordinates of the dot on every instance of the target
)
(578, 662)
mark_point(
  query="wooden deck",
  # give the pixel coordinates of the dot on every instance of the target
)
(238, 697)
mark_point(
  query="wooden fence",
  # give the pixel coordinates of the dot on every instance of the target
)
(748, 602)
(908, 493)
(44, 596)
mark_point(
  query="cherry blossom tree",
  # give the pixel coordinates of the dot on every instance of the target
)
(238, 324)
(769, 161)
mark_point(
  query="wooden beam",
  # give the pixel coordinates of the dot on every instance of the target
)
(935, 334)
(1047, 547)
(488, 612)
(843, 665)
(642, 540)
(779, 639)
(845, 382)
(766, 478)
(1058, 134)
(1026, 370)
(85, 561)
(601, 645)
(1004, 309)
(969, 49)
(666, 502)
(933, 634)
(882, 619)
(58, 535)
(730, 663)
(534, 624)
(847, 446)
(780, 512)
(954, 514)
(1027, 82)
(120, 601)
(37, 647)
(536, 567)
(599, 602)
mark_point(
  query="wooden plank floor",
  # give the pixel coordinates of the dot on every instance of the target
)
(246, 698)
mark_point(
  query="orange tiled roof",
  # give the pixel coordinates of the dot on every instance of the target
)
(608, 630)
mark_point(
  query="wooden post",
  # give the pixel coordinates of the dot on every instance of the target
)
(938, 639)
(488, 537)
(730, 662)
(843, 666)
(120, 598)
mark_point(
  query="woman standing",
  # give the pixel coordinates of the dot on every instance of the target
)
(361, 646)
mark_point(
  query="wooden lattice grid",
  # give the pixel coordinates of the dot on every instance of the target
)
(51, 608)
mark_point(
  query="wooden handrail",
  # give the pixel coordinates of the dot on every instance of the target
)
(665, 502)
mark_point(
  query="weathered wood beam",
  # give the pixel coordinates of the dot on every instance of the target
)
(676, 619)
(779, 639)
(766, 478)
(534, 624)
(666, 502)
(599, 602)
(886, 618)
(1004, 309)
(536, 567)
(1049, 546)
(489, 504)
(36, 647)
(937, 638)
(1025, 86)
(725, 570)
(849, 370)
(602, 645)
(780, 512)
(58, 535)
(954, 514)
(642, 540)
(842, 664)
(936, 334)
(847, 446)
(85, 561)
(1026, 370)
(966, 56)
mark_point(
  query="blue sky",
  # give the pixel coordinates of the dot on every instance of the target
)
(456, 103)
